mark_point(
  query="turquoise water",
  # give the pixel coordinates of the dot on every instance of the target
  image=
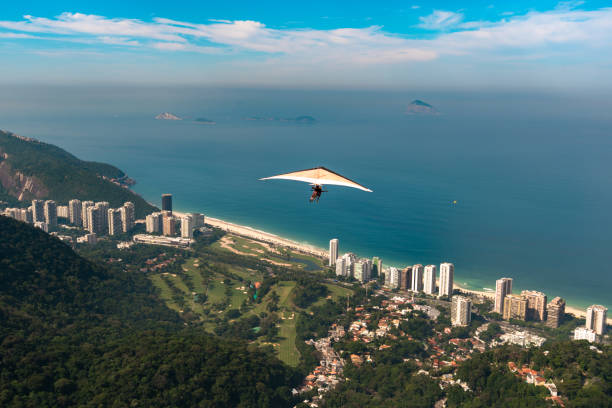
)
(531, 173)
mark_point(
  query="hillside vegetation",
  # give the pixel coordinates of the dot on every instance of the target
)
(32, 169)
(75, 333)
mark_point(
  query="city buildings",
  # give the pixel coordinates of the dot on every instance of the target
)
(515, 307)
(346, 267)
(154, 223)
(596, 319)
(38, 211)
(429, 279)
(536, 305)
(62, 211)
(84, 217)
(447, 272)
(377, 266)
(333, 251)
(198, 220)
(503, 287)
(169, 225)
(128, 216)
(50, 211)
(405, 279)
(167, 202)
(361, 270)
(394, 277)
(187, 226)
(555, 312)
(417, 278)
(75, 212)
(114, 221)
(461, 311)
(341, 266)
(584, 333)
(159, 240)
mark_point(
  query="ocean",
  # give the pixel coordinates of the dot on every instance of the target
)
(530, 172)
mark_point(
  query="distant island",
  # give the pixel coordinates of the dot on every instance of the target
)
(205, 121)
(418, 107)
(302, 120)
(167, 116)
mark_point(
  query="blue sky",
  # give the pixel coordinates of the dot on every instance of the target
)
(398, 44)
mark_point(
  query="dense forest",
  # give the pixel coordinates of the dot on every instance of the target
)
(63, 175)
(74, 333)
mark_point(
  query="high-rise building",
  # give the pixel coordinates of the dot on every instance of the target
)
(103, 206)
(198, 220)
(341, 266)
(26, 215)
(555, 312)
(167, 202)
(50, 210)
(62, 211)
(515, 307)
(42, 225)
(429, 279)
(127, 216)
(169, 225)
(96, 221)
(154, 223)
(114, 221)
(503, 287)
(596, 319)
(361, 270)
(394, 277)
(333, 251)
(376, 271)
(417, 278)
(84, 206)
(38, 211)
(75, 212)
(536, 305)
(187, 226)
(405, 280)
(461, 311)
(447, 274)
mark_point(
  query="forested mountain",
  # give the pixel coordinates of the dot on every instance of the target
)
(74, 333)
(32, 169)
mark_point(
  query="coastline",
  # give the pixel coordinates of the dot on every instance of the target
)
(270, 238)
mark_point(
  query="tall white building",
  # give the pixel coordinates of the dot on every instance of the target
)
(50, 210)
(447, 272)
(394, 277)
(154, 223)
(103, 206)
(341, 267)
(333, 251)
(97, 219)
(349, 260)
(503, 287)
(361, 270)
(114, 221)
(461, 311)
(127, 216)
(62, 211)
(417, 278)
(429, 279)
(198, 220)
(84, 206)
(75, 212)
(596, 318)
(38, 211)
(187, 226)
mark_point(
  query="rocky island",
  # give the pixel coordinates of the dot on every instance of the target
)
(167, 116)
(418, 107)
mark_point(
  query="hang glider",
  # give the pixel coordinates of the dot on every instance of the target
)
(318, 177)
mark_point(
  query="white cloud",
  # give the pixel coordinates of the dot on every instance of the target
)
(440, 20)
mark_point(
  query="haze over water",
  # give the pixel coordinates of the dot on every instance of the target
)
(530, 172)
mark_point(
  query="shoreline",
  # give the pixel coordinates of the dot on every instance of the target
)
(270, 238)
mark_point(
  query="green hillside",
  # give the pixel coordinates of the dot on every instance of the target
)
(75, 333)
(56, 174)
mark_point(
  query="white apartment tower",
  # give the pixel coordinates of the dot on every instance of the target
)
(596, 319)
(341, 267)
(75, 212)
(154, 223)
(114, 221)
(503, 287)
(394, 277)
(50, 210)
(38, 211)
(127, 216)
(333, 251)
(447, 272)
(417, 278)
(429, 279)
(84, 206)
(361, 270)
(187, 226)
(461, 311)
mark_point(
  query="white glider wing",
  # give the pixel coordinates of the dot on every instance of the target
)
(319, 175)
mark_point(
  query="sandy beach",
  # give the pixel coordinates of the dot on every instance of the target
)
(319, 252)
